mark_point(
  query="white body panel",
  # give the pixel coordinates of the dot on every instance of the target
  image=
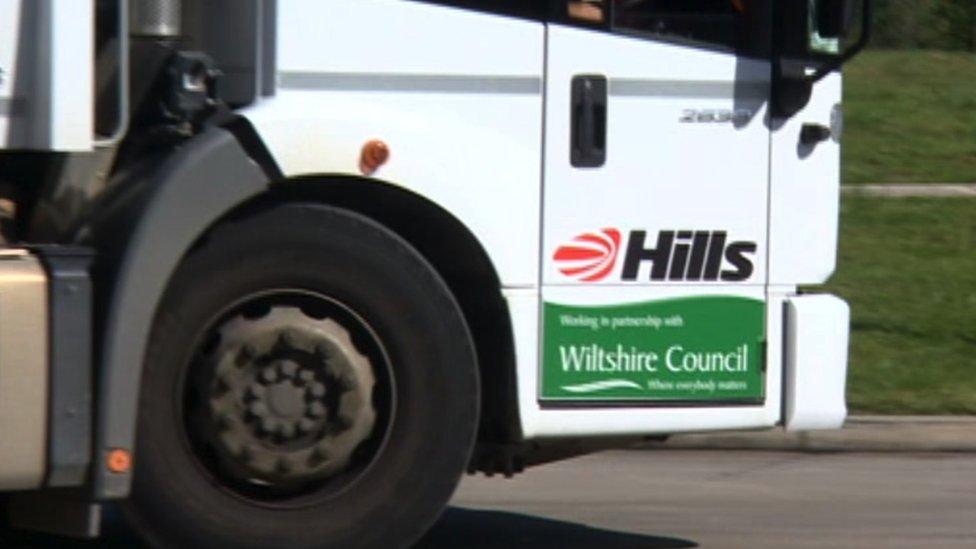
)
(805, 194)
(46, 74)
(463, 134)
(660, 173)
(469, 129)
(816, 362)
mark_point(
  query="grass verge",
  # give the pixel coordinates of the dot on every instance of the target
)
(908, 269)
(910, 117)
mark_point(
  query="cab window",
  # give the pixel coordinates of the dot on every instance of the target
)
(528, 9)
(586, 11)
(736, 25)
(729, 25)
(709, 21)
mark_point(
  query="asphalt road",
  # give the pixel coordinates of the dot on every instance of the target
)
(721, 499)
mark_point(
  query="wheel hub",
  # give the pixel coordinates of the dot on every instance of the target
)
(291, 397)
(287, 400)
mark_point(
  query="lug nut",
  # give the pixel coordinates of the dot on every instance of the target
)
(269, 375)
(305, 425)
(316, 410)
(258, 408)
(288, 369)
(286, 429)
(268, 425)
(255, 392)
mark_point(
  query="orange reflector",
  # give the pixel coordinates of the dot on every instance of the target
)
(375, 154)
(119, 461)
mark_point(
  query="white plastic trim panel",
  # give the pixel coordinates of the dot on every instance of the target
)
(72, 75)
(455, 94)
(46, 85)
(816, 362)
(804, 192)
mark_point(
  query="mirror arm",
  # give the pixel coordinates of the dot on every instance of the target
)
(867, 27)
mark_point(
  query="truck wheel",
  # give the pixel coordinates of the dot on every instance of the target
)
(310, 382)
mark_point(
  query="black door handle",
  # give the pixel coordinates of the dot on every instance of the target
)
(588, 140)
(811, 134)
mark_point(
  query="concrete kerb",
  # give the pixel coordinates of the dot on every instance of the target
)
(860, 434)
(909, 190)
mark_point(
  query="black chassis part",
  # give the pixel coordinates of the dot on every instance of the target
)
(141, 232)
(70, 378)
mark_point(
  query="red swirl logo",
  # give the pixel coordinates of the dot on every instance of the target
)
(590, 257)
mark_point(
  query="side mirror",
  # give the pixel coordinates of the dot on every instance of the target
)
(830, 21)
(814, 38)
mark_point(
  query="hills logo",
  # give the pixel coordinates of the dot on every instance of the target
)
(591, 256)
(686, 256)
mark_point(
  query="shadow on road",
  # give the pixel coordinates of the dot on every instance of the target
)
(474, 529)
(115, 535)
(458, 527)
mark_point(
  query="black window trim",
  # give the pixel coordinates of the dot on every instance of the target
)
(530, 10)
(559, 16)
(553, 12)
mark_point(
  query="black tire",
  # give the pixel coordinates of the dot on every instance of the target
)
(179, 501)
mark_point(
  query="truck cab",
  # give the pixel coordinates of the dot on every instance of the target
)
(279, 272)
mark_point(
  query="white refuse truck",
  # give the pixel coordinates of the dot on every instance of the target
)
(276, 273)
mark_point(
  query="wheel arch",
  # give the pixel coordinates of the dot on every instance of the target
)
(141, 230)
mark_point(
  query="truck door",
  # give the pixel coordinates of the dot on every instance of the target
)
(655, 205)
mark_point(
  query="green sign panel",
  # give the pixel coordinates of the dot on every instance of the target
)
(692, 349)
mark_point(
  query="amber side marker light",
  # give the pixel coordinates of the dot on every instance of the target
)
(119, 461)
(375, 154)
